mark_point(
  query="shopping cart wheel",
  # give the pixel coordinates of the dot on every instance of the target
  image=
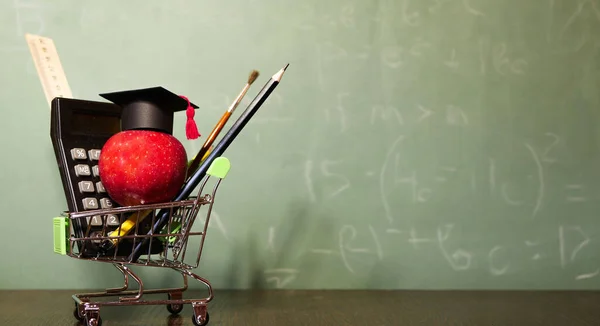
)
(77, 312)
(93, 321)
(174, 308)
(199, 321)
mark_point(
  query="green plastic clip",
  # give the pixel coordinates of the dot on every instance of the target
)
(61, 229)
(175, 227)
(219, 167)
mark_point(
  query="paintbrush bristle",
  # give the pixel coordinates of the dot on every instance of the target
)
(253, 75)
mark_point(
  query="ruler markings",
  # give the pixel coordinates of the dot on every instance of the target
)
(48, 66)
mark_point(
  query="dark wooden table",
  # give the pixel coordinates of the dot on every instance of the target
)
(372, 308)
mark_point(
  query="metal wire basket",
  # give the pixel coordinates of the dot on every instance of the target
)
(166, 248)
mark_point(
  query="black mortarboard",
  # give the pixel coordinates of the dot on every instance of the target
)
(153, 109)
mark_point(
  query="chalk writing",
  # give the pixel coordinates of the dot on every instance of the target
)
(344, 182)
(391, 56)
(414, 239)
(327, 53)
(271, 239)
(471, 10)
(497, 260)
(545, 156)
(495, 268)
(536, 255)
(446, 171)
(364, 52)
(575, 193)
(348, 234)
(426, 113)
(541, 188)
(322, 251)
(507, 198)
(456, 115)
(382, 179)
(326, 169)
(581, 245)
(452, 62)
(394, 231)
(410, 18)
(416, 49)
(347, 16)
(587, 275)
(500, 60)
(460, 259)
(565, 256)
(437, 6)
(377, 243)
(386, 113)
(305, 10)
(308, 170)
(340, 112)
(281, 276)
(578, 12)
(419, 194)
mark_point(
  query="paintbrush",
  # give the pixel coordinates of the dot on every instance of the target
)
(217, 129)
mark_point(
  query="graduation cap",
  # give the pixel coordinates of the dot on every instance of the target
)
(153, 109)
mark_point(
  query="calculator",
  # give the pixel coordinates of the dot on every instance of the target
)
(79, 130)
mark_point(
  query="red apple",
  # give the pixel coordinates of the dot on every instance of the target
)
(142, 167)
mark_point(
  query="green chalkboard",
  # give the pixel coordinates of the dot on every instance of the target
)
(411, 144)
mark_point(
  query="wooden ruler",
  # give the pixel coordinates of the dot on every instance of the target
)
(49, 69)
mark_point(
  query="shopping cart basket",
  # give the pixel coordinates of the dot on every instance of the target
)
(172, 242)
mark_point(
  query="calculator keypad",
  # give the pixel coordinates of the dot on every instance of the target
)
(86, 186)
(78, 154)
(82, 170)
(94, 154)
(90, 186)
(105, 203)
(100, 187)
(97, 220)
(90, 203)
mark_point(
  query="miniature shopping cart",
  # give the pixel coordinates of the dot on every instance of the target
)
(164, 249)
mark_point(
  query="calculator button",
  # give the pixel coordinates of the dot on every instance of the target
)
(95, 171)
(100, 187)
(105, 203)
(95, 220)
(90, 203)
(82, 169)
(86, 186)
(112, 220)
(78, 154)
(94, 154)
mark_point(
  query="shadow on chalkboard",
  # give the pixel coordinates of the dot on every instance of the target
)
(289, 241)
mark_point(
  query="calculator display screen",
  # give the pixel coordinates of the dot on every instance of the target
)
(83, 123)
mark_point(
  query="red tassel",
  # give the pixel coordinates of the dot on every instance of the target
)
(191, 130)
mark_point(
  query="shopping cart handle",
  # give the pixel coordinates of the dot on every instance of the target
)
(219, 167)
